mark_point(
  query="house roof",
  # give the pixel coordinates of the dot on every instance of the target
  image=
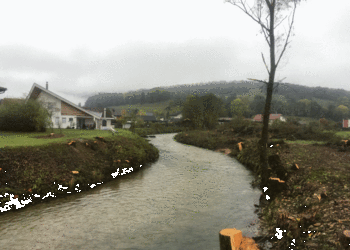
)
(272, 117)
(148, 118)
(100, 111)
(176, 113)
(37, 89)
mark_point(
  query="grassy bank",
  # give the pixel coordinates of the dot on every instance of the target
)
(313, 202)
(15, 139)
(73, 164)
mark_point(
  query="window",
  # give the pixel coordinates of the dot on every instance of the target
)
(104, 123)
(57, 120)
(64, 120)
(70, 119)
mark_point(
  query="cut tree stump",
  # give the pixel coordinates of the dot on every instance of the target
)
(345, 239)
(230, 239)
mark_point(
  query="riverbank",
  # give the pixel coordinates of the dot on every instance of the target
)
(32, 174)
(310, 199)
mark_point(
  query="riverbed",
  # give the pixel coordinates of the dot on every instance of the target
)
(180, 202)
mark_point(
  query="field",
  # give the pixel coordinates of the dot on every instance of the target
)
(148, 107)
(16, 139)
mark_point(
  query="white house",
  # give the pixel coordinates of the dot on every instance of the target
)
(66, 113)
(177, 115)
(258, 118)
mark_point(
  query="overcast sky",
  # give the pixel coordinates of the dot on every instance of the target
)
(85, 47)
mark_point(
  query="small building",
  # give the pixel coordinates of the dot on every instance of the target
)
(346, 123)
(67, 114)
(176, 115)
(148, 118)
(222, 120)
(273, 117)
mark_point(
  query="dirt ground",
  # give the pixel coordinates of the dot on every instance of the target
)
(314, 209)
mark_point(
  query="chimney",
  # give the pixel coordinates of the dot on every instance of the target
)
(79, 104)
(104, 113)
(47, 85)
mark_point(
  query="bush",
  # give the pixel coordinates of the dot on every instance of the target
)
(24, 116)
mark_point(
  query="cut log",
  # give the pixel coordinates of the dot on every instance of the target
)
(295, 166)
(240, 146)
(74, 172)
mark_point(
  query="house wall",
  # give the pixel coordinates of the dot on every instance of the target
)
(53, 105)
(66, 109)
(72, 123)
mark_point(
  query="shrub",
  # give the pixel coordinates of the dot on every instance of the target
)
(24, 116)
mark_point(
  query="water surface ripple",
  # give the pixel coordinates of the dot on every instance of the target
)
(180, 202)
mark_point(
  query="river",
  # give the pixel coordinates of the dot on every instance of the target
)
(180, 202)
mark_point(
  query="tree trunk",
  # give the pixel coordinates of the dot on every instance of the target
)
(264, 134)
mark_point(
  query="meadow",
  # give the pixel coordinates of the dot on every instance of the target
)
(16, 139)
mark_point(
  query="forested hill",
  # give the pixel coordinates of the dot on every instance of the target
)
(221, 88)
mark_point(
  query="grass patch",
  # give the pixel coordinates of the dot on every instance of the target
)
(40, 169)
(305, 142)
(17, 139)
(343, 134)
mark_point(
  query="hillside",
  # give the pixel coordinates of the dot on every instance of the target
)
(323, 96)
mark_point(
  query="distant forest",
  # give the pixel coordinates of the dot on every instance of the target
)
(289, 99)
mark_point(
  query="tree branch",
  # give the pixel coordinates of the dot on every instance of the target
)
(290, 29)
(265, 63)
(257, 80)
(244, 9)
(280, 22)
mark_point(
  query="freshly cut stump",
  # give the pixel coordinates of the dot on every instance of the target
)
(345, 239)
(230, 239)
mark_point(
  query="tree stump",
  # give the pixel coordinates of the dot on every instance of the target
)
(230, 239)
(345, 239)
(277, 167)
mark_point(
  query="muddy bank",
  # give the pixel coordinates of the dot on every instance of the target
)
(58, 169)
(308, 192)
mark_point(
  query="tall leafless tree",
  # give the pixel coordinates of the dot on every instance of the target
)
(276, 20)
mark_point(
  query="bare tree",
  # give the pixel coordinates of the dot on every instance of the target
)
(276, 19)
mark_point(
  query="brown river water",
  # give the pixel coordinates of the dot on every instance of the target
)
(180, 202)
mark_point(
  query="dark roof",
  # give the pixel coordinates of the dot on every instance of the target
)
(176, 113)
(147, 118)
(2, 90)
(100, 110)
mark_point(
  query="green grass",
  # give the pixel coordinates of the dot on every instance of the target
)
(343, 134)
(17, 139)
(305, 142)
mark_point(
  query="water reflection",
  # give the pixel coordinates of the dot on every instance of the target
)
(180, 202)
